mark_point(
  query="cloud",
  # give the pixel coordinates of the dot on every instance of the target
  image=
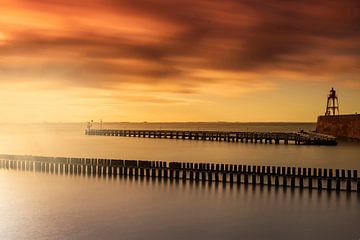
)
(166, 44)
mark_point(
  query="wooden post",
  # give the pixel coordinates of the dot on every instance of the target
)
(203, 176)
(246, 179)
(337, 173)
(338, 184)
(284, 181)
(197, 176)
(310, 185)
(348, 185)
(238, 178)
(292, 182)
(224, 177)
(276, 181)
(319, 184)
(329, 184)
(301, 182)
(210, 176)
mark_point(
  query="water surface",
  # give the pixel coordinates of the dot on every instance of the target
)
(43, 206)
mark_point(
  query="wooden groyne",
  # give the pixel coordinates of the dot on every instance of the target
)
(306, 138)
(271, 176)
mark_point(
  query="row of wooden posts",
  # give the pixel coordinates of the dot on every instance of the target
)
(276, 176)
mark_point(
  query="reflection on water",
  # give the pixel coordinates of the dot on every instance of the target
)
(42, 206)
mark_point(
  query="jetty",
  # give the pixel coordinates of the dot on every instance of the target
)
(298, 138)
(248, 175)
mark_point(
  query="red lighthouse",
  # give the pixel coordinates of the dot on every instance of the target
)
(332, 106)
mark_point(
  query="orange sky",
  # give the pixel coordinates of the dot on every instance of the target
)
(188, 60)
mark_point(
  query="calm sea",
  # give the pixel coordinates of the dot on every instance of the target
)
(42, 206)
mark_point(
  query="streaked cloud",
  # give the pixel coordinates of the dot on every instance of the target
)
(181, 50)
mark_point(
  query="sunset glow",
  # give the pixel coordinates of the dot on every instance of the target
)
(184, 60)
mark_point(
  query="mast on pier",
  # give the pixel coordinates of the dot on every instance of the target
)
(332, 106)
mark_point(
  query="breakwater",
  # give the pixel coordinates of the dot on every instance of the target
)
(271, 176)
(342, 126)
(305, 138)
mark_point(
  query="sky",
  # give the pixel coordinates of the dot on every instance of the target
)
(188, 60)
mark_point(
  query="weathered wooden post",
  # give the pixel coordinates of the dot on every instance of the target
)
(319, 184)
(246, 179)
(349, 174)
(177, 174)
(284, 181)
(142, 172)
(216, 177)
(358, 186)
(261, 180)
(338, 184)
(231, 176)
(304, 172)
(301, 182)
(238, 178)
(61, 167)
(197, 176)
(310, 184)
(348, 185)
(160, 173)
(66, 168)
(277, 181)
(109, 169)
(153, 173)
(203, 176)
(283, 170)
(292, 182)
(224, 177)
(171, 174)
(165, 173)
(210, 176)
(329, 184)
(337, 173)
(269, 180)
(253, 179)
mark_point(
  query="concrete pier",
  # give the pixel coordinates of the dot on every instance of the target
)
(277, 176)
(297, 138)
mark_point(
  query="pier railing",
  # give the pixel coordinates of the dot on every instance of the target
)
(255, 175)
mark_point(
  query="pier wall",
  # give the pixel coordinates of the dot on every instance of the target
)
(341, 126)
(253, 175)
